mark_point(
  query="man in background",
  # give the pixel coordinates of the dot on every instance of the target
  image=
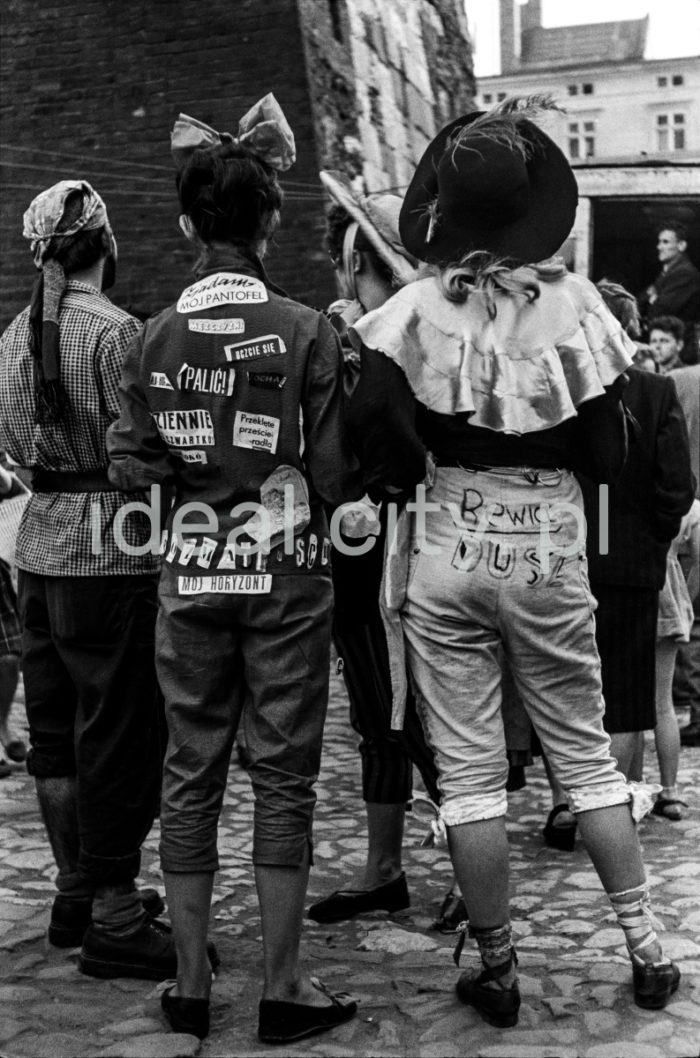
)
(676, 289)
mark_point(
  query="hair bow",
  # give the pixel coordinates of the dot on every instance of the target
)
(263, 130)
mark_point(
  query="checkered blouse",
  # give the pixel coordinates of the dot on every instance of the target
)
(70, 534)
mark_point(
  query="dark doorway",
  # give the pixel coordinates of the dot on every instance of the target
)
(624, 236)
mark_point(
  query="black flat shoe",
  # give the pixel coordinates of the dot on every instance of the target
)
(281, 1022)
(186, 1015)
(346, 903)
(562, 838)
(16, 750)
(654, 984)
(498, 1006)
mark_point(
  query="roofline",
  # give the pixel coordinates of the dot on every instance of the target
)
(536, 68)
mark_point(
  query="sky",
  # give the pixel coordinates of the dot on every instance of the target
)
(674, 25)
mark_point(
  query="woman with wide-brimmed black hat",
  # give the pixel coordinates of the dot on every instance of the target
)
(482, 388)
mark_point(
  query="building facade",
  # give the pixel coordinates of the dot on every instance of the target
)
(630, 127)
(92, 89)
(618, 106)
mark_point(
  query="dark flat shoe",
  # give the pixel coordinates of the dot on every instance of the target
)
(498, 1006)
(281, 1022)
(16, 750)
(654, 985)
(186, 1015)
(346, 903)
(669, 808)
(453, 912)
(562, 838)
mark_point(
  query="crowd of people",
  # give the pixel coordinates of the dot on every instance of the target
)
(219, 493)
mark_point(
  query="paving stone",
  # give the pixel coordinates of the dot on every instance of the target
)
(408, 1004)
(155, 1045)
(626, 1049)
(683, 1008)
(9, 1028)
(396, 942)
(604, 996)
(133, 1027)
(560, 1006)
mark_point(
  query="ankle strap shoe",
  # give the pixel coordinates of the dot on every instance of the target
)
(498, 1006)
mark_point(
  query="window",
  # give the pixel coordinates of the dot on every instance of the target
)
(487, 97)
(581, 139)
(501, 96)
(670, 132)
(572, 89)
(677, 78)
(662, 82)
(589, 138)
(587, 89)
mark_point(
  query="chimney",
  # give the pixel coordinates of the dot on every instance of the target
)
(509, 12)
(531, 15)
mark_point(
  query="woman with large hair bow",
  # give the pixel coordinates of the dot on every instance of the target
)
(235, 396)
(505, 373)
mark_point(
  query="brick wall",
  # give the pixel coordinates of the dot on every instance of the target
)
(91, 89)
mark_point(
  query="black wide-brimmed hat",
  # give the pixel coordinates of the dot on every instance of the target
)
(491, 181)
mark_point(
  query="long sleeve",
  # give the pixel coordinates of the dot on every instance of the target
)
(138, 456)
(601, 436)
(382, 417)
(673, 476)
(329, 458)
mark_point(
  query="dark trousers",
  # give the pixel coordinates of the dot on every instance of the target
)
(94, 709)
(261, 661)
(387, 756)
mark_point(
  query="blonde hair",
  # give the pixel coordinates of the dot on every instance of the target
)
(483, 271)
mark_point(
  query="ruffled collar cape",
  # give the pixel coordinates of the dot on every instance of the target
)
(527, 369)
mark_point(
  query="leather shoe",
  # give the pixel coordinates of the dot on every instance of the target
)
(498, 1006)
(148, 953)
(281, 1022)
(654, 984)
(346, 903)
(690, 735)
(559, 837)
(70, 918)
(186, 1015)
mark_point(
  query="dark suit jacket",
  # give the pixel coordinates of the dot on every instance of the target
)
(651, 496)
(678, 292)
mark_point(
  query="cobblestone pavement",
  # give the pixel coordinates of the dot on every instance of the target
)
(574, 974)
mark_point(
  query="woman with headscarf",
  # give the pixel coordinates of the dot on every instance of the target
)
(481, 389)
(235, 395)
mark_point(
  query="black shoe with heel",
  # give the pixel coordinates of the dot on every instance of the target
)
(562, 838)
(186, 1015)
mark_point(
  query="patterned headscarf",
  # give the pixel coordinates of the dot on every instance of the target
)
(45, 227)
